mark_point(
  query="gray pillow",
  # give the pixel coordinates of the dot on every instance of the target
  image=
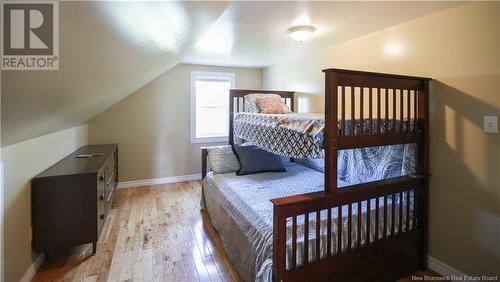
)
(316, 164)
(284, 160)
(222, 159)
(253, 160)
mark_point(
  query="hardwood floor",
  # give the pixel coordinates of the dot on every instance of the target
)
(154, 233)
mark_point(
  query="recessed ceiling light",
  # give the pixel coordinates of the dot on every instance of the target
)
(301, 32)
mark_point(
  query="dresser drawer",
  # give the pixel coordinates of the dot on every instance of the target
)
(101, 199)
(110, 187)
(110, 184)
(109, 168)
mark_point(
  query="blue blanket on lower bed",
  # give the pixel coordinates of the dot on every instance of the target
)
(370, 164)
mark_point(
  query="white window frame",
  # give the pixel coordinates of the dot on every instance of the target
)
(195, 75)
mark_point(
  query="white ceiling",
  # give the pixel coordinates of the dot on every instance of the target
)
(254, 34)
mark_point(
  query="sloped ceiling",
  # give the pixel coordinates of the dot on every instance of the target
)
(107, 51)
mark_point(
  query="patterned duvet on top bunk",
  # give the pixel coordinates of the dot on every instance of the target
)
(297, 135)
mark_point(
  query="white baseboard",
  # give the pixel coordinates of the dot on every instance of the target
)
(158, 181)
(34, 267)
(442, 268)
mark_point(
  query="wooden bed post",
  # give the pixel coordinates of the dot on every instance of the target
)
(204, 154)
(279, 244)
(231, 117)
(330, 137)
(423, 169)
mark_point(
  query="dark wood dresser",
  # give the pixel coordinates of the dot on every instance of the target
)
(71, 199)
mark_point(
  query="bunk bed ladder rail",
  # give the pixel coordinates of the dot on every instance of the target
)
(362, 109)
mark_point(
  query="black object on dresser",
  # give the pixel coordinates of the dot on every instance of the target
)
(71, 199)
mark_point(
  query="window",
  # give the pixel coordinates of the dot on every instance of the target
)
(210, 106)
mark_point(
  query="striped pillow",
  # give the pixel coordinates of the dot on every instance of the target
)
(222, 159)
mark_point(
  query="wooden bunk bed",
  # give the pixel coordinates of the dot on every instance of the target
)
(395, 110)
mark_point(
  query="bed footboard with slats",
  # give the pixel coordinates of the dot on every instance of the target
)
(367, 232)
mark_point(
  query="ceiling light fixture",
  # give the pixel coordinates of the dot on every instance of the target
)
(301, 32)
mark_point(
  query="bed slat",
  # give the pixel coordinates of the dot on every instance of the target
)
(400, 217)
(393, 214)
(329, 233)
(401, 114)
(407, 210)
(349, 227)
(294, 242)
(414, 214)
(368, 221)
(394, 111)
(318, 233)
(353, 116)
(378, 112)
(306, 239)
(370, 111)
(362, 110)
(343, 132)
(359, 225)
(385, 218)
(339, 231)
(377, 207)
(408, 111)
(386, 117)
(415, 112)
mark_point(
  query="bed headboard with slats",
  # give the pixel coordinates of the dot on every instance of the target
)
(237, 103)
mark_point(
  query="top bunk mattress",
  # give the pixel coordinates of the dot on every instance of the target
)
(293, 135)
(296, 135)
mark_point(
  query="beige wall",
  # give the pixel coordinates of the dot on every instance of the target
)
(22, 161)
(460, 49)
(151, 125)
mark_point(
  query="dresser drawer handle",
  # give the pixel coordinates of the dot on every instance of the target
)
(110, 197)
(110, 178)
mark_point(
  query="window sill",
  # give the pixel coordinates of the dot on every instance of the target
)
(209, 140)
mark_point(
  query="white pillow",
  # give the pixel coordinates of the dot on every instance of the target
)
(251, 101)
(222, 159)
